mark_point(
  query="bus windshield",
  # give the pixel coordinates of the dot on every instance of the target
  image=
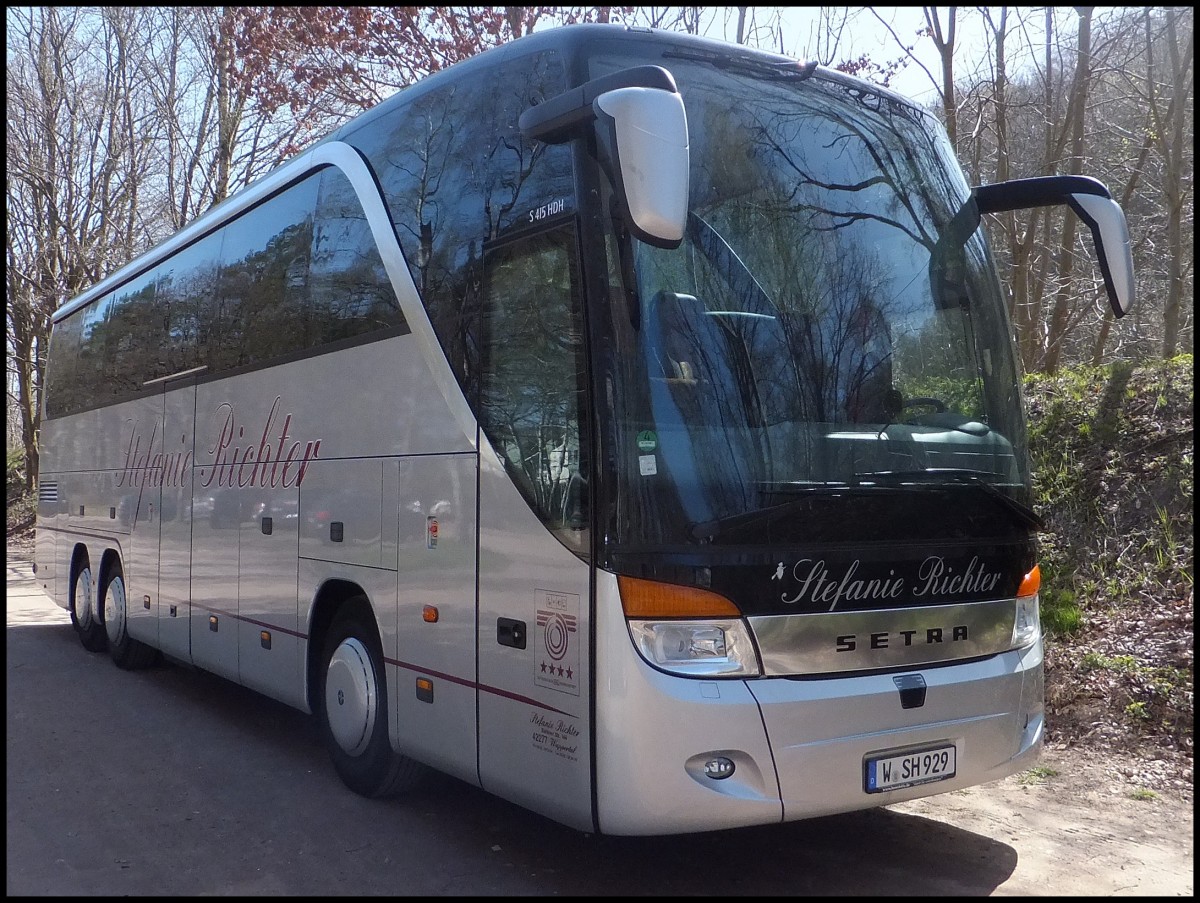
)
(827, 329)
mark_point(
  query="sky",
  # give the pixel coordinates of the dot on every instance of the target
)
(805, 37)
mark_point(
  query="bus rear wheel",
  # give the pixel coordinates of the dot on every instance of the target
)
(126, 652)
(85, 615)
(353, 708)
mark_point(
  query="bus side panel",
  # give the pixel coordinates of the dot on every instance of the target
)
(82, 465)
(436, 568)
(341, 512)
(44, 552)
(269, 658)
(174, 517)
(211, 609)
(534, 690)
(140, 505)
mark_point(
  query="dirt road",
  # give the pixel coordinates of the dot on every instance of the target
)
(1077, 829)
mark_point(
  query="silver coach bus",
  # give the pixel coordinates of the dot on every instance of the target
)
(622, 422)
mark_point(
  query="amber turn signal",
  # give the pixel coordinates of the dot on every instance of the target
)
(651, 599)
(1031, 584)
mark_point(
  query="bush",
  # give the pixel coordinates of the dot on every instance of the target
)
(15, 472)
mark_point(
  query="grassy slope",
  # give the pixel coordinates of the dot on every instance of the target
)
(1113, 457)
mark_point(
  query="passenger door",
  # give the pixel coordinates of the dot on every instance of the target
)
(534, 576)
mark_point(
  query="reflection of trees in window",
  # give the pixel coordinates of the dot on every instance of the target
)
(62, 375)
(836, 208)
(92, 338)
(137, 334)
(532, 373)
(187, 286)
(263, 291)
(350, 293)
(455, 172)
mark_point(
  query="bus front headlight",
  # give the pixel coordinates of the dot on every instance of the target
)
(1027, 623)
(697, 648)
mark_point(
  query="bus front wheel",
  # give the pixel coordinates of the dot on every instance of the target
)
(354, 708)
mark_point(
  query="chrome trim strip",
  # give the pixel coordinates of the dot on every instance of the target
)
(837, 642)
(180, 375)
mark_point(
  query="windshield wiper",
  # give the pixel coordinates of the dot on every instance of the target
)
(935, 477)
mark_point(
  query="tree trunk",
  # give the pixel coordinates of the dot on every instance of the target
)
(944, 41)
(1060, 316)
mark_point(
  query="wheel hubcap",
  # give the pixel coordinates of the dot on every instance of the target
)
(114, 610)
(83, 598)
(351, 696)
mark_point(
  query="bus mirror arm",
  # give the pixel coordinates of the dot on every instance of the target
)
(562, 117)
(642, 140)
(1094, 205)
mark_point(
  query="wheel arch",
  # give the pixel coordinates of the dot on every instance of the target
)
(79, 554)
(330, 599)
(110, 558)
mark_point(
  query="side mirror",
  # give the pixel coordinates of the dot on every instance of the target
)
(641, 131)
(1094, 205)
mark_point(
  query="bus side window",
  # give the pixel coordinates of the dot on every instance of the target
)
(455, 172)
(263, 289)
(351, 294)
(137, 337)
(62, 373)
(92, 386)
(533, 378)
(187, 287)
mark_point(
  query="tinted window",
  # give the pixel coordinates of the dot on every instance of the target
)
(187, 286)
(92, 339)
(456, 172)
(262, 296)
(349, 290)
(533, 377)
(62, 370)
(137, 336)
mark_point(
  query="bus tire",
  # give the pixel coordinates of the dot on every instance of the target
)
(353, 707)
(84, 611)
(126, 652)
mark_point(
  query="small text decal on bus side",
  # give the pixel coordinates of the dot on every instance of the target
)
(557, 665)
(555, 735)
(554, 207)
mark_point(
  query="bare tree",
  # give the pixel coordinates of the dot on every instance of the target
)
(73, 176)
(1168, 133)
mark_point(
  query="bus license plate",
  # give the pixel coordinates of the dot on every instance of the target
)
(911, 768)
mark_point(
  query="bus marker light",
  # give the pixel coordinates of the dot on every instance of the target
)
(424, 689)
(212, 623)
(719, 768)
(429, 614)
(265, 638)
(651, 599)
(1031, 583)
